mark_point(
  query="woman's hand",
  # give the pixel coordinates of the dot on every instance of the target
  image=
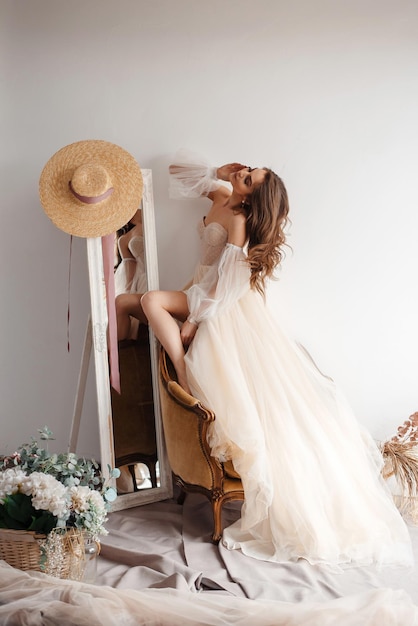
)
(224, 172)
(187, 332)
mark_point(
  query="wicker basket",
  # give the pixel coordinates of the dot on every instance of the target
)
(59, 554)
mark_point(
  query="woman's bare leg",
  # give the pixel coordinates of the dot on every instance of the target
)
(162, 309)
(127, 305)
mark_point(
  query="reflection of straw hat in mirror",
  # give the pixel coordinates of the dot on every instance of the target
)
(91, 188)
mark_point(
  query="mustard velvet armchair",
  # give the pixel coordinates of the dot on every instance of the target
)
(185, 423)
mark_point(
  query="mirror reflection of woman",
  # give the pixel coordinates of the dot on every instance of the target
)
(130, 278)
(311, 475)
(130, 284)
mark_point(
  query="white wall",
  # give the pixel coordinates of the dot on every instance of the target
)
(323, 91)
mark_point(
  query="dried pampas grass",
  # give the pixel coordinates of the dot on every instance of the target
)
(400, 455)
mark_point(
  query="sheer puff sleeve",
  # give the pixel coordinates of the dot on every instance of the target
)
(223, 285)
(191, 176)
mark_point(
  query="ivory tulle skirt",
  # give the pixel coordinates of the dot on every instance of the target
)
(311, 474)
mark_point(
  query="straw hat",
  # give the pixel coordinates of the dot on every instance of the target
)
(91, 188)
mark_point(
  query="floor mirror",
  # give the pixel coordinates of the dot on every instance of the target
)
(130, 427)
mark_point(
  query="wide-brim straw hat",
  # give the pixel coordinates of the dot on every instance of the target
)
(91, 188)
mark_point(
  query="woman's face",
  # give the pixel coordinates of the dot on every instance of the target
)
(246, 180)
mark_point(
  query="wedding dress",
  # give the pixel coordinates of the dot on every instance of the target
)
(125, 282)
(310, 472)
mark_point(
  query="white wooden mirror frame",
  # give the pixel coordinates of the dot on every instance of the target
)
(96, 337)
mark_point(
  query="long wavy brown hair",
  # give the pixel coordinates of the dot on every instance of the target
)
(267, 216)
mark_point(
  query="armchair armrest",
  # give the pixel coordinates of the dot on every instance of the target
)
(188, 401)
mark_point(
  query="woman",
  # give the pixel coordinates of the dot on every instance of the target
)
(311, 476)
(130, 278)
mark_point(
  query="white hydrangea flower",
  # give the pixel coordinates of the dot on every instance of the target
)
(89, 508)
(47, 493)
(10, 482)
(97, 500)
(80, 496)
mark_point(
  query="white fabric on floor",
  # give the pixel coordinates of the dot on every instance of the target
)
(158, 566)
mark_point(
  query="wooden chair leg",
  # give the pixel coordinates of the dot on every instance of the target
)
(217, 520)
(133, 475)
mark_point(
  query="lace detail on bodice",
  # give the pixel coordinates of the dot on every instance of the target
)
(213, 238)
(135, 246)
(131, 278)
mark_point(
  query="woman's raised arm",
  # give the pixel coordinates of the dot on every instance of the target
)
(192, 176)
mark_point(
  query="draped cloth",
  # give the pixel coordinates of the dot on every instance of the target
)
(34, 599)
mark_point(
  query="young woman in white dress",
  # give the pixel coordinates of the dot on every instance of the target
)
(130, 279)
(311, 474)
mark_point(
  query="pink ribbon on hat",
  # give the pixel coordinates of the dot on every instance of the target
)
(109, 278)
(108, 250)
(90, 199)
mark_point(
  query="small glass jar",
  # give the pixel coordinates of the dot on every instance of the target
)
(91, 552)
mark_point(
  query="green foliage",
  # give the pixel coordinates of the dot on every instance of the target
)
(18, 513)
(66, 467)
